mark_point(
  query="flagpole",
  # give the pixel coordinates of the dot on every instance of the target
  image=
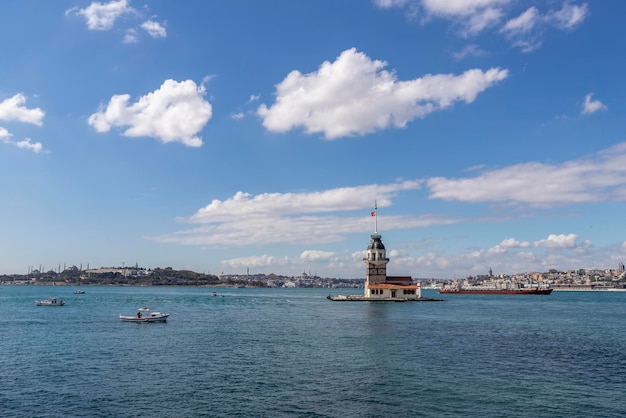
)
(375, 218)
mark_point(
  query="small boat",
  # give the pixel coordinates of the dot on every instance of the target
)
(79, 292)
(50, 302)
(145, 315)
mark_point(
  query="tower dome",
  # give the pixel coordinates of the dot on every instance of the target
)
(376, 243)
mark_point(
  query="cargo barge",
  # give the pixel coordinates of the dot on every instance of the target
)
(468, 291)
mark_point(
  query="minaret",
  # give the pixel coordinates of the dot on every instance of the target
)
(375, 257)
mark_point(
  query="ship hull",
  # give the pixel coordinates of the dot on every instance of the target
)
(497, 291)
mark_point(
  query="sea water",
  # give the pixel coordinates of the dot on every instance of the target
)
(293, 353)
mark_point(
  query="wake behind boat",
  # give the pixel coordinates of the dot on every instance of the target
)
(50, 302)
(145, 315)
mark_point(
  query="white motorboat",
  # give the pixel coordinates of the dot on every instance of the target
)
(79, 292)
(50, 302)
(145, 315)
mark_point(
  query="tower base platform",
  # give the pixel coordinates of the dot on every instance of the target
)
(359, 298)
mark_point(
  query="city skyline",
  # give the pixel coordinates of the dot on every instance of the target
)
(241, 136)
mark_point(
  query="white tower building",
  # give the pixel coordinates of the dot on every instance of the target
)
(378, 285)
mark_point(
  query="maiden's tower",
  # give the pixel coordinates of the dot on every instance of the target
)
(379, 286)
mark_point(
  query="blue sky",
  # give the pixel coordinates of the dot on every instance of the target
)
(234, 135)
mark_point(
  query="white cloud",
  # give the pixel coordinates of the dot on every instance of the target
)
(479, 21)
(527, 45)
(5, 137)
(558, 241)
(508, 244)
(600, 177)
(176, 112)
(475, 16)
(385, 4)
(523, 23)
(557, 251)
(36, 147)
(263, 262)
(130, 37)
(316, 217)
(354, 96)
(154, 29)
(253, 261)
(207, 78)
(472, 50)
(526, 30)
(592, 106)
(238, 116)
(279, 204)
(315, 256)
(4, 134)
(13, 109)
(102, 16)
(296, 218)
(569, 16)
(460, 7)
(513, 243)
